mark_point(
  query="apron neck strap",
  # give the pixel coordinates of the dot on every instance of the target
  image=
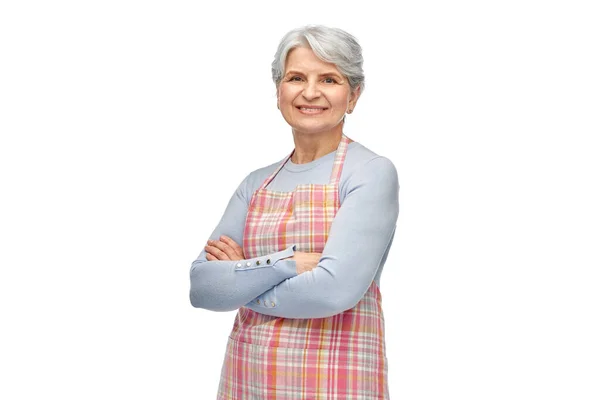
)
(338, 163)
(336, 171)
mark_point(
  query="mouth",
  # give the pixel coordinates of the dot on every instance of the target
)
(311, 110)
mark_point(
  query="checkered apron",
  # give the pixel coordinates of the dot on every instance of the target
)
(339, 357)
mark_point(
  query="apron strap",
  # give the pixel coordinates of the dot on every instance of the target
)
(272, 176)
(336, 171)
(338, 163)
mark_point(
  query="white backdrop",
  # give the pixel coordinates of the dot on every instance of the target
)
(127, 125)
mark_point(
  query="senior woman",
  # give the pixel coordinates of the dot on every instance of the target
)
(302, 243)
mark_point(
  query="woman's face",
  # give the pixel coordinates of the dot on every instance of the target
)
(313, 95)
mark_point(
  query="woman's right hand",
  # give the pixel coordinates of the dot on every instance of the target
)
(305, 261)
(223, 249)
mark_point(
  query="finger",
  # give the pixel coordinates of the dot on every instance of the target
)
(224, 247)
(210, 257)
(230, 242)
(218, 253)
(236, 247)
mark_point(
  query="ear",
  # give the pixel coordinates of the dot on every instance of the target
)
(353, 99)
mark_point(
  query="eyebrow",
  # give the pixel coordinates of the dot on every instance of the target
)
(335, 73)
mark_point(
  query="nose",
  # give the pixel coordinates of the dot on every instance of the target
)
(311, 90)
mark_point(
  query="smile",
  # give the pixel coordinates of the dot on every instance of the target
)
(311, 110)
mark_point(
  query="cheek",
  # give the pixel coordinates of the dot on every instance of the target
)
(341, 102)
(339, 97)
(286, 96)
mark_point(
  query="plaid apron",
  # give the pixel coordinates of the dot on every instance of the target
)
(339, 357)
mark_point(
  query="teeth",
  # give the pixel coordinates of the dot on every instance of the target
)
(311, 109)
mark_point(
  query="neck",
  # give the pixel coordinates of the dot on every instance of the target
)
(310, 147)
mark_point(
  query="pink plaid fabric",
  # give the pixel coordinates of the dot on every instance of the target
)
(340, 357)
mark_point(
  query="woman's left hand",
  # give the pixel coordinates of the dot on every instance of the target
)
(224, 249)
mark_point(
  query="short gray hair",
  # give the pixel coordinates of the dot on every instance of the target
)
(331, 45)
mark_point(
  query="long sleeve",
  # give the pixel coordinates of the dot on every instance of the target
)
(358, 244)
(228, 285)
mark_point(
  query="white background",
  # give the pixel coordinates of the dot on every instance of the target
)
(127, 125)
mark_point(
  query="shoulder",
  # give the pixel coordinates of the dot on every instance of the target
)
(364, 166)
(359, 156)
(254, 179)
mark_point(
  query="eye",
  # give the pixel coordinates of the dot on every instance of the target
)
(295, 78)
(329, 80)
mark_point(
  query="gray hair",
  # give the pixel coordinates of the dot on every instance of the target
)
(331, 45)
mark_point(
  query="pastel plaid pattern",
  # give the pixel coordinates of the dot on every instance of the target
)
(340, 357)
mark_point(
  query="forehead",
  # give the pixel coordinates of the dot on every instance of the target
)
(305, 60)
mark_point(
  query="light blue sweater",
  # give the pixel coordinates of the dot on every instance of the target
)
(354, 255)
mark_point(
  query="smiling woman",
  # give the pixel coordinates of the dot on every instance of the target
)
(314, 96)
(301, 247)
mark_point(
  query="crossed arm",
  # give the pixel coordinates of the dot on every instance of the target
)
(224, 280)
(358, 244)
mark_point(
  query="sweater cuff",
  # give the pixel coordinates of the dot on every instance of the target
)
(276, 260)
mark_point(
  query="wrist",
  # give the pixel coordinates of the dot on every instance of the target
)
(306, 261)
